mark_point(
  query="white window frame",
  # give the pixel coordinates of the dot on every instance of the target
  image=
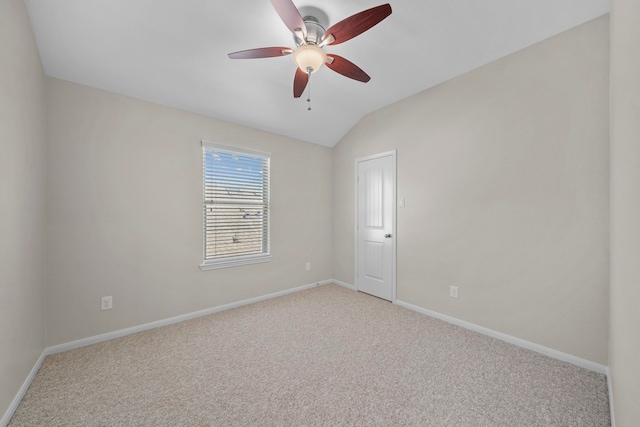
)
(233, 260)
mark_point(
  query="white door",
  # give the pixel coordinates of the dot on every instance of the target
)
(375, 225)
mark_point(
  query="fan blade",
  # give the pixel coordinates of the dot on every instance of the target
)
(347, 68)
(300, 82)
(263, 52)
(357, 24)
(290, 16)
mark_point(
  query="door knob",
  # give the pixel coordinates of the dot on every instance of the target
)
(387, 236)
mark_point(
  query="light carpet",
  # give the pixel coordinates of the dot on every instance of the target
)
(325, 356)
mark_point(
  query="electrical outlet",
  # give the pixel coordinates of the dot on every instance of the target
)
(308, 266)
(453, 291)
(107, 303)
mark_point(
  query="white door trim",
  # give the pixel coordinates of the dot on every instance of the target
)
(393, 154)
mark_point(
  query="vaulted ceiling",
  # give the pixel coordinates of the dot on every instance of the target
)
(174, 52)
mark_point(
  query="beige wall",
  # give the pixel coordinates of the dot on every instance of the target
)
(624, 347)
(22, 194)
(124, 213)
(505, 171)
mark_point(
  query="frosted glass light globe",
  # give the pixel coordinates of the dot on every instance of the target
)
(309, 56)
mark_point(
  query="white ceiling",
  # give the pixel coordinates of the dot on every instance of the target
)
(174, 53)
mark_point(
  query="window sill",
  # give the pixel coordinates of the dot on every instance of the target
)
(234, 261)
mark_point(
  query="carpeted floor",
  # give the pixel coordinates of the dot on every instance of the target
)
(325, 356)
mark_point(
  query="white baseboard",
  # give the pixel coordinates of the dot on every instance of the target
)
(611, 407)
(177, 319)
(343, 284)
(4, 421)
(583, 363)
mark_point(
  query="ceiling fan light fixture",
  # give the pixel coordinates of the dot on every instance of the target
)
(309, 57)
(310, 37)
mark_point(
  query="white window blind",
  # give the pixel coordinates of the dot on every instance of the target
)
(236, 206)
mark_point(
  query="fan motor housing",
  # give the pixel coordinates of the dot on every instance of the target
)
(315, 31)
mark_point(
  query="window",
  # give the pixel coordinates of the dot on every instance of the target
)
(236, 206)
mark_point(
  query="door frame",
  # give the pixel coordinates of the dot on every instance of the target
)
(394, 213)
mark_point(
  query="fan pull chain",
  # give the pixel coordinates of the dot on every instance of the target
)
(309, 90)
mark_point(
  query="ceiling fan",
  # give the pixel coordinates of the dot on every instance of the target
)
(310, 38)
